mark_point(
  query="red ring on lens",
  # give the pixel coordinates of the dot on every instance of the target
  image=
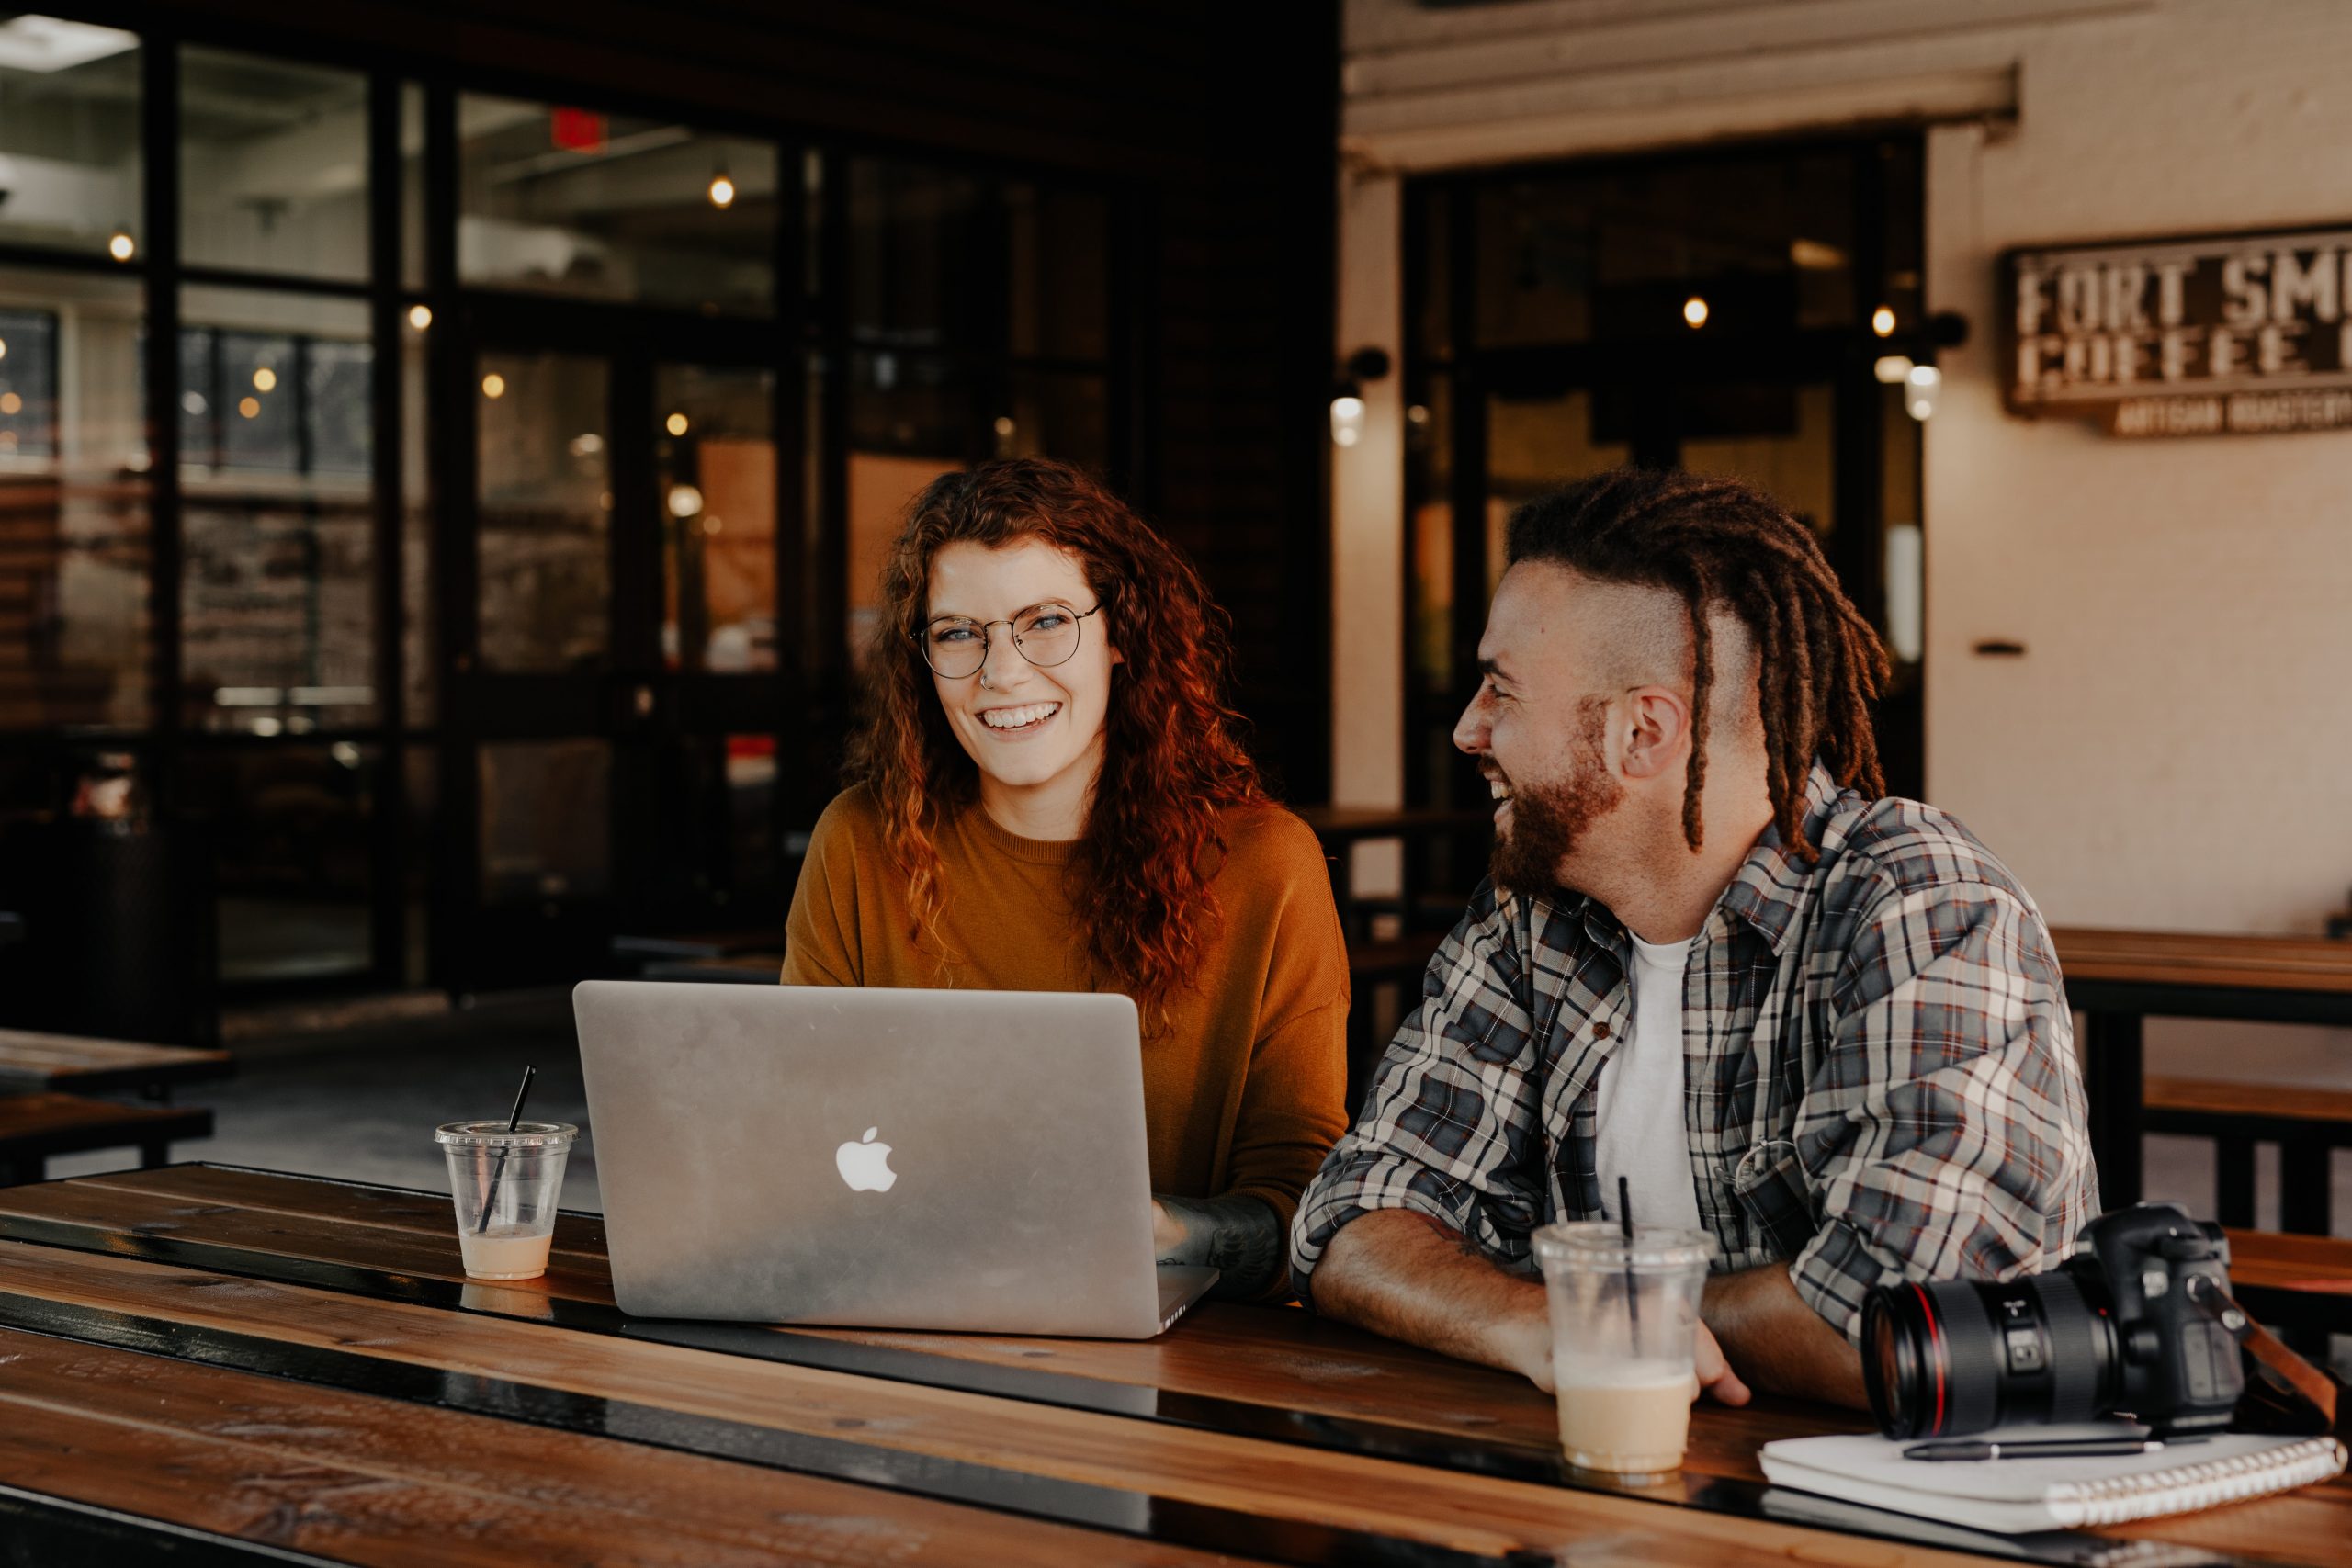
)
(1935, 1342)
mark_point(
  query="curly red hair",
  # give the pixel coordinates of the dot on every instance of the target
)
(1172, 763)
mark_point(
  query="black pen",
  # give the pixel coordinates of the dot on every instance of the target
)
(2045, 1448)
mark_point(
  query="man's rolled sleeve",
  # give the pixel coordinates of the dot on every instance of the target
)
(1451, 1119)
(1945, 1127)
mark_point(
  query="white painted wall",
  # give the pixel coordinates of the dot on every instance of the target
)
(2175, 749)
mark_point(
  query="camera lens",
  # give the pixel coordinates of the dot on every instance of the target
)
(1964, 1356)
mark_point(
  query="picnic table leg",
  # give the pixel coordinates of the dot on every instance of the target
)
(2112, 1078)
(155, 1157)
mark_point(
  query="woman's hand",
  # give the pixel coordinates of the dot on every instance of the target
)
(1240, 1237)
(1167, 1232)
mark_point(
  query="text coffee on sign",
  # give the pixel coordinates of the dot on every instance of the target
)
(2210, 335)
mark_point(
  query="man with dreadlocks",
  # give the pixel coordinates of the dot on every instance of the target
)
(1824, 1025)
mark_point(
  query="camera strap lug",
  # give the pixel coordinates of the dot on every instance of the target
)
(2313, 1386)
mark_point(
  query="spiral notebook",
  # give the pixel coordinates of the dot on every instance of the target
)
(2015, 1495)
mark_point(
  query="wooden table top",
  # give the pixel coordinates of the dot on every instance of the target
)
(85, 1066)
(2282, 963)
(300, 1363)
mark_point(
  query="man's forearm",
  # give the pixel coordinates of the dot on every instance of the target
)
(1778, 1343)
(1401, 1274)
(1239, 1236)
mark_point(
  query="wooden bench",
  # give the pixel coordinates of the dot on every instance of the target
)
(2117, 978)
(35, 1126)
(2299, 1285)
(2306, 1124)
(32, 1062)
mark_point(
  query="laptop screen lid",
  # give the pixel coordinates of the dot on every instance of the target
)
(880, 1158)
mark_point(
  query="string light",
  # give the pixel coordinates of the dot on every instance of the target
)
(722, 190)
(264, 379)
(249, 407)
(1695, 311)
(121, 246)
(675, 424)
(493, 385)
(420, 316)
(1882, 320)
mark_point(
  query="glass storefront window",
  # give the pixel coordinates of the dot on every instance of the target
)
(412, 268)
(69, 136)
(418, 542)
(1061, 244)
(1766, 239)
(559, 201)
(546, 820)
(1058, 415)
(910, 420)
(545, 511)
(273, 165)
(1780, 438)
(716, 472)
(278, 615)
(291, 828)
(919, 262)
(75, 636)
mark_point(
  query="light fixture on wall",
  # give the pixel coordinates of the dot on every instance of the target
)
(1919, 389)
(1346, 393)
(722, 189)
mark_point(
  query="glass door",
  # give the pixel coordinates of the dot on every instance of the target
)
(615, 688)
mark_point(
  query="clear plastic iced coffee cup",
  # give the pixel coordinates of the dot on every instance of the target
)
(505, 1183)
(1625, 1329)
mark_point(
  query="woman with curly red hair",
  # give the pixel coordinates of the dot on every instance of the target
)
(1046, 793)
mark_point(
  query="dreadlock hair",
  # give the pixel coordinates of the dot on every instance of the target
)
(1719, 544)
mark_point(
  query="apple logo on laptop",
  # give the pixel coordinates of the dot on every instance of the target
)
(866, 1165)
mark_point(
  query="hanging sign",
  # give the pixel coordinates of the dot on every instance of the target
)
(2225, 334)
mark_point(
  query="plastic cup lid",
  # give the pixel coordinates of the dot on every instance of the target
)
(492, 1134)
(1600, 1244)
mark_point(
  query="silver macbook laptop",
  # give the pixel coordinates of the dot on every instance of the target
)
(875, 1158)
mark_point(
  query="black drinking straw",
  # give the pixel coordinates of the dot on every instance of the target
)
(1632, 1292)
(490, 1199)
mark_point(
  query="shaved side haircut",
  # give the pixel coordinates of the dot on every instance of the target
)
(1722, 547)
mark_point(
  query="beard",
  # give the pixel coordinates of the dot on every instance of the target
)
(1548, 819)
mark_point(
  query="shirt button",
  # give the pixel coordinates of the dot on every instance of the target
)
(1601, 1032)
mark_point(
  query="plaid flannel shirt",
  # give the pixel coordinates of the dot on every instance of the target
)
(1880, 1078)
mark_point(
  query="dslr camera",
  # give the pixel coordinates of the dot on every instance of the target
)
(2130, 1323)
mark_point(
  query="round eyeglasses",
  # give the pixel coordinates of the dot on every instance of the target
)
(1045, 635)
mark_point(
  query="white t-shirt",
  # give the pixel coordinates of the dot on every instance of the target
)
(1639, 1124)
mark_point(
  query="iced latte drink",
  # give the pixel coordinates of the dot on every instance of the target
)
(1624, 1319)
